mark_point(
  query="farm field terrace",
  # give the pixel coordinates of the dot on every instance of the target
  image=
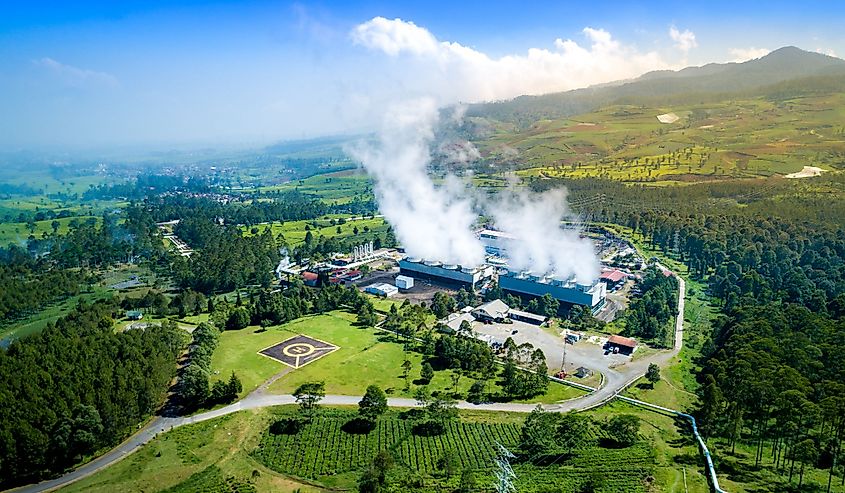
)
(241, 450)
(719, 140)
(339, 186)
(294, 232)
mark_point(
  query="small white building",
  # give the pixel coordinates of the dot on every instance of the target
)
(382, 289)
(404, 282)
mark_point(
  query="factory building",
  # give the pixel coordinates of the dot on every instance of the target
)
(382, 289)
(567, 291)
(450, 274)
(495, 242)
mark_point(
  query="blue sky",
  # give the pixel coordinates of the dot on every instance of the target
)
(99, 74)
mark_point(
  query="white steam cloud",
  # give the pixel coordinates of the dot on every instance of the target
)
(432, 222)
(436, 222)
(541, 245)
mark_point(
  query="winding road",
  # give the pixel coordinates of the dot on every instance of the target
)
(616, 380)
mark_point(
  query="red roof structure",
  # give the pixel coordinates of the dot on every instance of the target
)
(613, 276)
(309, 276)
(622, 341)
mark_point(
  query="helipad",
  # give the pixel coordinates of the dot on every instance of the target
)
(298, 350)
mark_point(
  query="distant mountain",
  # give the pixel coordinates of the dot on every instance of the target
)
(782, 65)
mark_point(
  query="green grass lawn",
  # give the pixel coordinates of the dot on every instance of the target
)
(365, 357)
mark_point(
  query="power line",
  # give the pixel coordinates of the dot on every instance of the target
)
(504, 472)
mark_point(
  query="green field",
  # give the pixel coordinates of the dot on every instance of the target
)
(294, 232)
(365, 357)
(340, 187)
(19, 232)
(226, 451)
(210, 457)
(717, 140)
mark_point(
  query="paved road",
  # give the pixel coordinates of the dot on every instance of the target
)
(617, 378)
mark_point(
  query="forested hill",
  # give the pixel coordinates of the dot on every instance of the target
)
(77, 387)
(779, 66)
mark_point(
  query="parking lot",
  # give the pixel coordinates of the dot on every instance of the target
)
(587, 352)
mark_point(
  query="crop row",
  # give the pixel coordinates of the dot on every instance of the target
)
(323, 447)
(327, 446)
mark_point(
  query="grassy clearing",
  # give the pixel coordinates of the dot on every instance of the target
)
(294, 232)
(20, 232)
(365, 357)
(673, 446)
(198, 457)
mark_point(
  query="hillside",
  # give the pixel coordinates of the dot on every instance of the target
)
(784, 64)
(775, 134)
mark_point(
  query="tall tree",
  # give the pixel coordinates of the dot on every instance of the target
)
(308, 395)
(373, 404)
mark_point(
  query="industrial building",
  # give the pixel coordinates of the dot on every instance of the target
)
(496, 311)
(445, 273)
(495, 242)
(492, 311)
(613, 278)
(568, 291)
(622, 345)
(382, 289)
(404, 282)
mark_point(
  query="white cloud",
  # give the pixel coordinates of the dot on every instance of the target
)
(75, 76)
(458, 73)
(745, 54)
(395, 36)
(684, 40)
(828, 52)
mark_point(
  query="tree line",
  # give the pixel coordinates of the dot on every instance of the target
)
(78, 386)
(772, 254)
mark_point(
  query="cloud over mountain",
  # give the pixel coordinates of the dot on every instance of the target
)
(460, 73)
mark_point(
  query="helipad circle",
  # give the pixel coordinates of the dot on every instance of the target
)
(298, 349)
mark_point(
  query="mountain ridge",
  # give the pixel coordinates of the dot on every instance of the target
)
(781, 65)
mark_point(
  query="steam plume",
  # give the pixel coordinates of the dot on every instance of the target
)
(436, 222)
(431, 222)
(541, 246)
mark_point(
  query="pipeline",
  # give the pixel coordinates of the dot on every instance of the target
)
(711, 469)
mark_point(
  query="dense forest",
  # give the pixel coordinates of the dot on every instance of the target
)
(773, 255)
(79, 386)
(651, 316)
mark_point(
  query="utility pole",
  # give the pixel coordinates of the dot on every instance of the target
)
(563, 361)
(504, 472)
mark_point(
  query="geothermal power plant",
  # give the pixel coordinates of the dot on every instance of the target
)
(572, 291)
(459, 276)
